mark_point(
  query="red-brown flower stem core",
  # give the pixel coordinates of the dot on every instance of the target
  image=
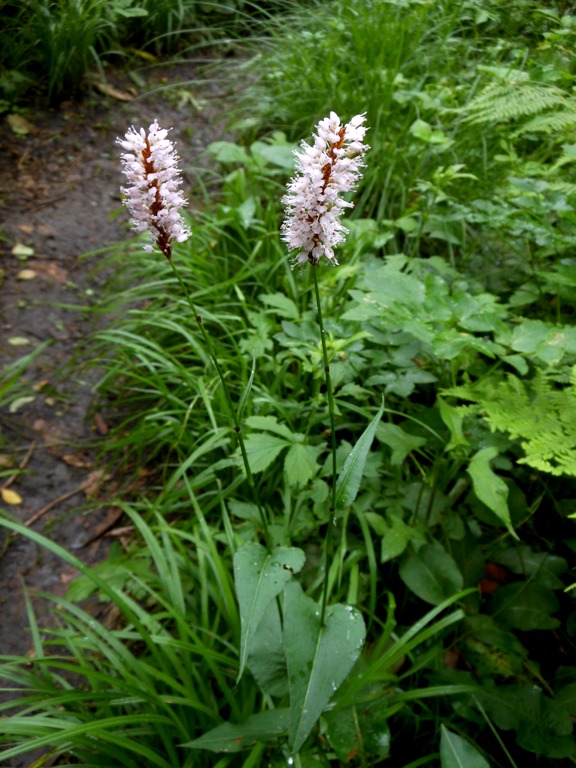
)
(163, 239)
(326, 174)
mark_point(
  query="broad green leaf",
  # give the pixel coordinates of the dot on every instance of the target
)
(319, 658)
(456, 752)
(543, 568)
(350, 478)
(260, 576)
(270, 424)
(262, 448)
(400, 442)
(453, 420)
(280, 301)
(525, 605)
(301, 463)
(229, 737)
(489, 487)
(266, 660)
(431, 573)
(365, 724)
(227, 152)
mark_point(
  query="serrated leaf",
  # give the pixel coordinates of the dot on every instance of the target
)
(262, 448)
(400, 442)
(10, 497)
(229, 737)
(456, 752)
(319, 658)
(270, 424)
(259, 577)
(489, 487)
(301, 463)
(287, 307)
(431, 573)
(349, 480)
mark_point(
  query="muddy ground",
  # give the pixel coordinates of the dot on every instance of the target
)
(59, 199)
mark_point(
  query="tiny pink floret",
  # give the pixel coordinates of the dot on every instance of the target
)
(153, 194)
(324, 171)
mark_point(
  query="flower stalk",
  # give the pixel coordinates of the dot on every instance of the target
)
(314, 207)
(154, 199)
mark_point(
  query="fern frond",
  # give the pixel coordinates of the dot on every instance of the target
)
(538, 413)
(555, 122)
(510, 101)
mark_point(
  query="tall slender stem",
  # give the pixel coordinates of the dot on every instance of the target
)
(230, 404)
(330, 396)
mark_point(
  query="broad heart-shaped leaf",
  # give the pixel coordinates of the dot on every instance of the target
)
(266, 659)
(489, 487)
(351, 476)
(301, 463)
(229, 737)
(260, 576)
(319, 658)
(456, 752)
(262, 448)
(525, 605)
(431, 573)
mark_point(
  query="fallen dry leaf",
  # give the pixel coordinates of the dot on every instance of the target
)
(26, 274)
(19, 125)
(22, 251)
(76, 460)
(109, 90)
(18, 341)
(53, 270)
(101, 425)
(10, 497)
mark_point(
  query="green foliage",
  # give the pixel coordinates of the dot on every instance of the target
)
(540, 412)
(448, 628)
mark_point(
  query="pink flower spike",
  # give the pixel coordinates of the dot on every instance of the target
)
(153, 196)
(313, 204)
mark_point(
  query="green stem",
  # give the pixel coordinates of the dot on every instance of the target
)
(230, 404)
(330, 396)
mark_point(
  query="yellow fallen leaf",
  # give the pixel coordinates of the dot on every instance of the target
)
(20, 125)
(26, 274)
(10, 497)
(22, 251)
(18, 341)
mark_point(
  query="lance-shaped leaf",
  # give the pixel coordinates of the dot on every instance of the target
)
(489, 487)
(260, 576)
(456, 752)
(319, 657)
(350, 478)
(229, 737)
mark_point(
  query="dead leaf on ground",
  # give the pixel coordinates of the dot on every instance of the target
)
(10, 497)
(101, 425)
(26, 274)
(19, 125)
(110, 90)
(93, 483)
(53, 270)
(22, 251)
(76, 460)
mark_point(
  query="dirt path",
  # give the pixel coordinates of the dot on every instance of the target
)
(59, 186)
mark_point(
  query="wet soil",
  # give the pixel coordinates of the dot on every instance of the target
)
(59, 199)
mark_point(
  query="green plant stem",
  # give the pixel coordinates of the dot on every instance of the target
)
(230, 404)
(330, 396)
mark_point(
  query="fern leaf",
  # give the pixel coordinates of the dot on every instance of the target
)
(499, 103)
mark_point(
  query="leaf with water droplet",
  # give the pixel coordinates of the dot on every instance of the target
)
(259, 577)
(319, 657)
(456, 752)
(230, 737)
(349, 480)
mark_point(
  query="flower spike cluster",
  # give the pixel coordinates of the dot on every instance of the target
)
(153, 194)
(314, 204)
